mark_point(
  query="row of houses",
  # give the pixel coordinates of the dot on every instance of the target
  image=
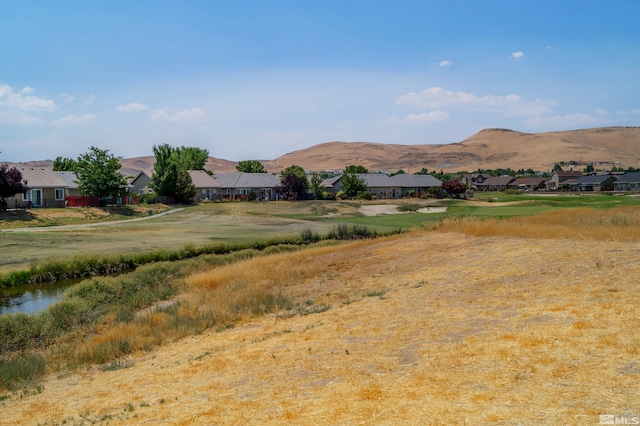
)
(240, 185)
(558, 181)
(48, 188)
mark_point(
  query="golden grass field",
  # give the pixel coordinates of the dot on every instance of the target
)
(427, 327)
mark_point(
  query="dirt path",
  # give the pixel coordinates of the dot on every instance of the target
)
(90, 225)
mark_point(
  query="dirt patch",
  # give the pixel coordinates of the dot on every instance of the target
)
(374, 210)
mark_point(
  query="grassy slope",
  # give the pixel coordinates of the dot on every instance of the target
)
(425, 328)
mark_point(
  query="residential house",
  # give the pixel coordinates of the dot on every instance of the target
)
(559, 178)
(416, 185)
(389, 187)
(472, 180)
(46, 188)
(240, 186)
(379, 184)
(594, 182)
(207, 188)
(495, 183)
(628, 182)
(139, 183)
(527, 184)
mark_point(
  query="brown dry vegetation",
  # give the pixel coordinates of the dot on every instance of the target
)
(423, 328)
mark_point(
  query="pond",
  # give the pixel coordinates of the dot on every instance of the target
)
(32, 298)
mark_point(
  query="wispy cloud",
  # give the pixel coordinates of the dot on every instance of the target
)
(67, 98)
(193, 114)
(23, 101)
(517, 55)
(425, 117)
(445, 64)
(510, 105)
(90, 100)
(18, 118)
(132, 107)
(73, 119)
(569, 121)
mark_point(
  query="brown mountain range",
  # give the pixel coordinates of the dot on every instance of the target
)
(488, 149)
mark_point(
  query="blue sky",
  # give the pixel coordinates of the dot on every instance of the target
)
(257, 79)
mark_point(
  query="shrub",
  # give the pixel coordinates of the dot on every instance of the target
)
(20, 369)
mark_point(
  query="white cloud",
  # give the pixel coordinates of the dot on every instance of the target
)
(90, 99)
(28, 89)
(132, 107)
(73, 119)
(193, 114)
(600, 111)
(22, 101)
(425, 117)
(517, 55)
(511, 105)
(67, 98)
(446, 64)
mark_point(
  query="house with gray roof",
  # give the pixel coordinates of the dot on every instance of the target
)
(389, 187)
(628, 182)
(240, 186)
(594, 182)
(416, 185)
(46, 188)
(207, 188)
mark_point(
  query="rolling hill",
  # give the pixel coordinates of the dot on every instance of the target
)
(487, 149)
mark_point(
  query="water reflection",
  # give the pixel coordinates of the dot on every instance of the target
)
(32, 298)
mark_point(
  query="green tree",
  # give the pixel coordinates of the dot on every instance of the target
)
(97, 173)
(589, 168)
(557, 167)
(164, 178)
(62, 164)
(352, 185)
(170, 175)
(250, 166)
(316, 187)
(356, 169)
(185, 189)
(299, 186)
(192, 158)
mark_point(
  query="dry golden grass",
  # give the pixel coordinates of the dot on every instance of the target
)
(617, 224)
(424, 328)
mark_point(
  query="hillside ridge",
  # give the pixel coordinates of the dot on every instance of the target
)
(490, 148)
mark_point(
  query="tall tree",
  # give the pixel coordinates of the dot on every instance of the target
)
(170, 175)
(316, 187)
(97, 173)
(352, 184)
(250, 166)
(295, 179)
(63, 164)
(11, 183)
(164, 178)
(192, 158)
(356, 169)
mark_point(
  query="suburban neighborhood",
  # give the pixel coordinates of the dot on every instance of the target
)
(49, 188)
